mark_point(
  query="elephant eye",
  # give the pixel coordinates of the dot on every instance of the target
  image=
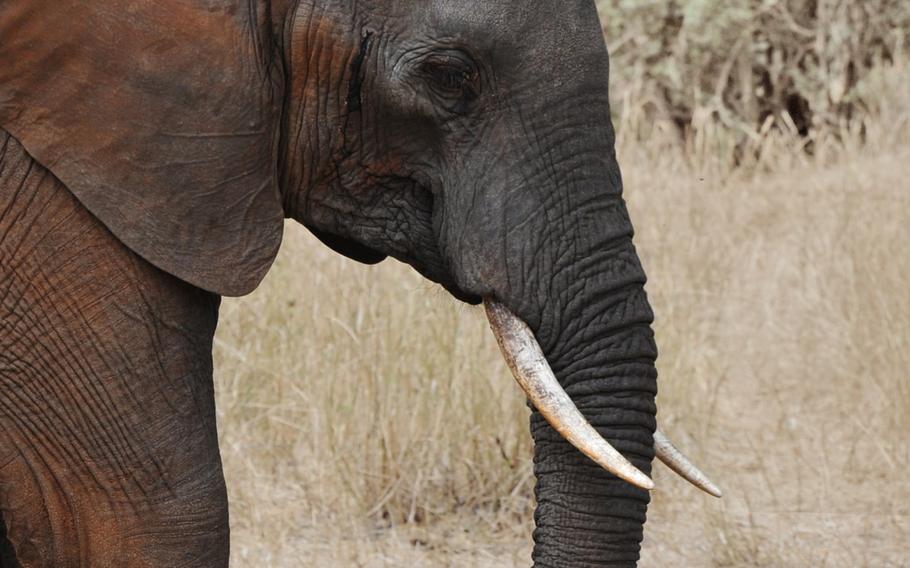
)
(453, 79)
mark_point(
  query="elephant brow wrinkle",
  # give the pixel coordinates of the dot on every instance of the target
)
(354, 99)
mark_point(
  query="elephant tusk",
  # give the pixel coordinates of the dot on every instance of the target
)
(675, 460)
(533, 373)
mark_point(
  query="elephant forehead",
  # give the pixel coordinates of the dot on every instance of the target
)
(521, 40)
(500, 22)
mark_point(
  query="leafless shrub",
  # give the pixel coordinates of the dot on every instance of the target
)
(749, 65)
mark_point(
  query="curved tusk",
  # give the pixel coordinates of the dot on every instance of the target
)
(533, 373)
(675, 460)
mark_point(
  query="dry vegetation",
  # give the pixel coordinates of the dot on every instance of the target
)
(749, 64)
(367, 419)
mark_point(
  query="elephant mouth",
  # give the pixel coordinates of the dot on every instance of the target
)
(531, 370)
(348, 247)
(459, 294)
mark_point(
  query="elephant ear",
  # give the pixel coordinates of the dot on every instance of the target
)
(161, 117)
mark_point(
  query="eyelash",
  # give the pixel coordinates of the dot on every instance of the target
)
(452, 79)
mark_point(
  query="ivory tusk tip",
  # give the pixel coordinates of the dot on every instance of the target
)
(645, 483)
(637, 478)
(713, 490)
(666, 452)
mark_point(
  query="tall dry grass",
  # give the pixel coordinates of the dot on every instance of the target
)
(784, 325)
(355, 400)
(367, 420)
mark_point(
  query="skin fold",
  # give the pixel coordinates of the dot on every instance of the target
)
(149, 155)
(110, 452)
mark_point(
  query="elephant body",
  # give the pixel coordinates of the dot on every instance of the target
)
(149, 153)
(108, 446)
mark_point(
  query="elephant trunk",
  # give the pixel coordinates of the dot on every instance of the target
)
(594, 329)
(546, 395)
(604, 359)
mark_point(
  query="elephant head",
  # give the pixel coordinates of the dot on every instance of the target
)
(471, 140)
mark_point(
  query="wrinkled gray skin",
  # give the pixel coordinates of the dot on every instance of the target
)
(468, 138)
(479, 149)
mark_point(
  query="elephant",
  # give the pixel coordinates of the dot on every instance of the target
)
(150, 153)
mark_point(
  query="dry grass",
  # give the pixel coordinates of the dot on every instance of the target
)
(784, 324)
(354, 401)
(367, 420)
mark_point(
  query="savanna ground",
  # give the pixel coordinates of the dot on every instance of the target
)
(367, 419)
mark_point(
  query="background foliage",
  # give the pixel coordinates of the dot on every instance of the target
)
(795, 64)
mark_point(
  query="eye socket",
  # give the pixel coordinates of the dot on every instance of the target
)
(453, 78)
